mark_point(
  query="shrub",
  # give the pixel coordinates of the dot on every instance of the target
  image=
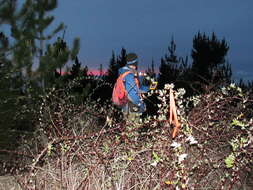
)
(90, 145)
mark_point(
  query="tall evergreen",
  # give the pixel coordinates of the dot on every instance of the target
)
(76, 69)
(29, 23)
(5, 65)
(121, 61)
(100, 70)
(85, 71)
(151, 71)
(55, 57)
(209, 61)
(28, 31)
(172, 68)
(112, 73)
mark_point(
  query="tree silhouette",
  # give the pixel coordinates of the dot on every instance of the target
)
(101, 70)
(56, 56)
(85, 71)
(112, 73)
(29, 24)
(151, 71)
(5, 64)
(209, 65)
(121, 60)
(29, 28)
(172, 68)
(114, 65)
(76, 69)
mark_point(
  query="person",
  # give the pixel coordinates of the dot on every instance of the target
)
(135, 105)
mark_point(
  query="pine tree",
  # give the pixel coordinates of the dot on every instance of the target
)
(172, 68)
(29, 23)
(5, 64)
(85, 71)
(4, 45)
(101, 70)
(151, 71)
(121, 61)
(29, 31)
(56, 56)
(76, 69)
(112, 73)
(209, 65)
(115, 64)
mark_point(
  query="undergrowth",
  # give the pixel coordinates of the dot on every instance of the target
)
(91, 146)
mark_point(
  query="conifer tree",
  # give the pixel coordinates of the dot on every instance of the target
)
(100, 70)
(29, 31)
(112, 73)
(56, 56)
(4, 45)
(209, 64)
(172, 68)
(151, 71)
(85, 71)
(5, 65)
(29, 23)
(115, 64)
(76, 69)
(122, 58)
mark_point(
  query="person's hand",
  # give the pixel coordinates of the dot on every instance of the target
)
(142, 96)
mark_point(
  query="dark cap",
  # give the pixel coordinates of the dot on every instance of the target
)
(132, 59)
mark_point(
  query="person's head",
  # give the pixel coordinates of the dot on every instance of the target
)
(132, 61)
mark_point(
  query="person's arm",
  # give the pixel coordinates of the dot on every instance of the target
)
(144, 89)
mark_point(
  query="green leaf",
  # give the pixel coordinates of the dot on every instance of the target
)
(234, 145)
(230, 160)
(243, 140)
(236, 122)
(156, 157)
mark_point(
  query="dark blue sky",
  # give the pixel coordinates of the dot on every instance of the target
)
(147, 26)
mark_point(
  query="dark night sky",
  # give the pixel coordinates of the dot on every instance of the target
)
(147, 26)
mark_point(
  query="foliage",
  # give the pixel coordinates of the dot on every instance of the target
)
(121, 59)
(209, 65)
(28, 25)
(112, 73)
(5, 64)
(173, 69)
(90, 145)
(115, 64)
(21, 86)
(69, 136)
(56, 56)
(151, 71)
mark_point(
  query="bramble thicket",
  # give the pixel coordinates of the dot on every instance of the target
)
(61, 131)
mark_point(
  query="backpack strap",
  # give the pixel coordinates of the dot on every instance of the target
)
(125, 74)
(137, 82)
